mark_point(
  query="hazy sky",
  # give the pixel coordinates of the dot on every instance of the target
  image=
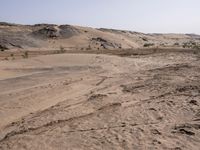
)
(178, 16)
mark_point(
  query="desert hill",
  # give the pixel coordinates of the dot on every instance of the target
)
(50, 36)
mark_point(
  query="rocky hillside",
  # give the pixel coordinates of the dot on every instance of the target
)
(50, 36)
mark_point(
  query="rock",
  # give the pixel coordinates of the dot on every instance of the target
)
(67, 31)
(46, 32)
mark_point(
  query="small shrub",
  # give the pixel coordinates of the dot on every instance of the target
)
(148, 44)
(176, 44)
(12, 55)
(25, 55)
(61, 50)
(89, 47)
(191, 44)
(3, 48)
(196, 46)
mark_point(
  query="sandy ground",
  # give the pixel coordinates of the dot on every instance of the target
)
(101, 102)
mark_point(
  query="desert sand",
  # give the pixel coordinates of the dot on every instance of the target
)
(107, 100)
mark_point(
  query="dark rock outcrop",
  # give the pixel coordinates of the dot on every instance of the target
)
(46, 32)
(67, 31)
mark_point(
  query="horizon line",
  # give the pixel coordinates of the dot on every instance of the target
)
(110, 28)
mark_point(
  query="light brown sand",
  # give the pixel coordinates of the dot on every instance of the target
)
(90, 101)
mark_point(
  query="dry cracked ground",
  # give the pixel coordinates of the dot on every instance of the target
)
(101, 102)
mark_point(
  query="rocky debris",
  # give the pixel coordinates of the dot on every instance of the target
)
(155, 132)
(46, 32)
(188, 88)
(105, 44)
(99, 39)
(191, 44)
(132, 88)
(194, 102)
(96, 97)
(109, 45)
(184, 131)
(53, 31)
(188, 129)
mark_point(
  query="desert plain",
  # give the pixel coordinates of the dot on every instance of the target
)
(79, 88)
